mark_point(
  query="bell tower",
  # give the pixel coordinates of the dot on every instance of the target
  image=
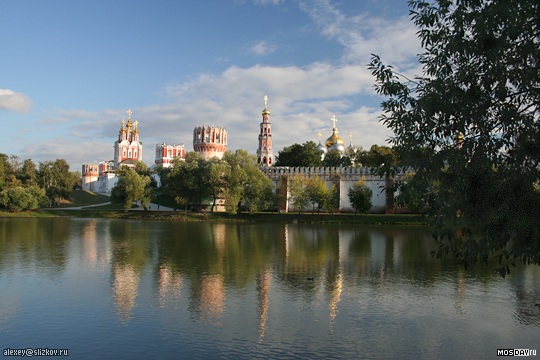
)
(265, 154)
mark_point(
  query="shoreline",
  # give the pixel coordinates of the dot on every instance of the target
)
(308, 218)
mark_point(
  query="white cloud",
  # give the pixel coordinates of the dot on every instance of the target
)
(14, 101)
(301, 101)
(262, 48)
(301, 98)
(272, 2)
(361, 35)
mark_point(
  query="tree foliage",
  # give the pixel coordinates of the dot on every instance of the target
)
(333, 158)
(247, 184)
(134, 185)
(56, 178)
(299, 155)
(21, 198)
(304, 191)
(360, 196)
(471, 124)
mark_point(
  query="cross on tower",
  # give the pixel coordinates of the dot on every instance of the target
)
(334, 119)
(129, 112)
(265, 101)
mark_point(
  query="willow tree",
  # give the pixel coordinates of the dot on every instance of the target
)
(470, 123)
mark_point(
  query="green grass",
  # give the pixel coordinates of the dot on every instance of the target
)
(84, 198)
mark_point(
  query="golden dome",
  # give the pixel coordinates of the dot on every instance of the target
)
(266, 112)
(334, 138)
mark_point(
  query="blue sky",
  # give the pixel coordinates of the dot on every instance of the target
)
(69, 70)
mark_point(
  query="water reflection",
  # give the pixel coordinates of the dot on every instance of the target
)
(169, 285)
(261, 279)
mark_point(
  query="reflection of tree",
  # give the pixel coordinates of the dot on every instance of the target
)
(34, 242)
(309, 251)
(527, 290)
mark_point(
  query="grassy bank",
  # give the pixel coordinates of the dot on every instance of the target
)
(92, 207)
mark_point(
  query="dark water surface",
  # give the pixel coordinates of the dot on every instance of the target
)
(107, 289)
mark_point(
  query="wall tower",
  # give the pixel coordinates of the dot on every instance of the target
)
(210, 141)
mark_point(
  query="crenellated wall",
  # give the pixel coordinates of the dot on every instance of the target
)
(343, 178)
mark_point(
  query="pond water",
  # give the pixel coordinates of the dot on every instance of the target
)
(172, 290)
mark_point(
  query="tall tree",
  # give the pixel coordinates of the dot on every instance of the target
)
(131, 187)
(334, 159)
(316, 192)
(56, 179)
(246, 184)
(28, 173)
(299, 155)
(218, 173)
(187, 181)
(471, 123)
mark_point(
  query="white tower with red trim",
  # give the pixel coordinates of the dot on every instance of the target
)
(165, 154)
(265, 154)
(210, 141)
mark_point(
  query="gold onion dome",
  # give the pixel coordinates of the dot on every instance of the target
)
(334, 138)
(266, 112)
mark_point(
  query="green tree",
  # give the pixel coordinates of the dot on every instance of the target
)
(246, 183)
(360, 196)
(334, 159)
(471, 123)
(56, 179)
(218, 174)
(28, 173)
(315, 192)
(332, 199)
(130, 188)
(299, 155)
(187, 181)
(21, 198)
(298, 196)
(383, 161)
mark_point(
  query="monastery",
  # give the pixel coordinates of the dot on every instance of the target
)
(211, 141)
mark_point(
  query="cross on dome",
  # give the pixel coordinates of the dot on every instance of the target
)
(265, 101)
(334, 119)
(319, 134)
(129, 112)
